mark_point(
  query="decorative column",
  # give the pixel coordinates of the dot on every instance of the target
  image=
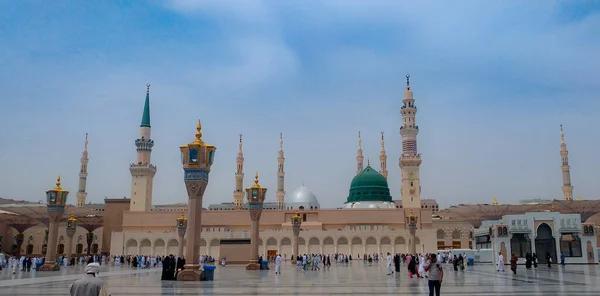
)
(411, 221)
(19, 239)
(89, 239)
(197, 158)
(56, 199)
(296, 223)
(181, 228)
(71, 229)
(256, 197)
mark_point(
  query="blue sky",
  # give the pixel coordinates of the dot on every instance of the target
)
(492, 79)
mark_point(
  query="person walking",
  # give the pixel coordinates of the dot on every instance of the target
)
(278, 264)
(513, 263)
(389, 264)
(436, 275)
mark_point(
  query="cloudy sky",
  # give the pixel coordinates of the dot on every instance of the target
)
(493, 80)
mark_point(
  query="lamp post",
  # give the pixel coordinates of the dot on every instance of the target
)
(71, 229)
(411, 220)
(181, 228)
(197, 158)
(296, 223)
(56, 198)
(256, 197)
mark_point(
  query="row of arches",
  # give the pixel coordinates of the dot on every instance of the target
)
(328, 245)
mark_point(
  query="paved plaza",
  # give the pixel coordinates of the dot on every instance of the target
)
(353, 279)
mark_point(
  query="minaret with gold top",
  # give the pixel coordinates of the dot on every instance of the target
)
(410, 159)
(280, 194)
(567, 188)
(142, 171)
(359, 156)
(81, 193)
(238, 193)
(383, 159)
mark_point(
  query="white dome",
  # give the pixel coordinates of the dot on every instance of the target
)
(302, 197)
(371, 205)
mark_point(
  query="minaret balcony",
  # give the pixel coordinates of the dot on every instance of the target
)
(144, 145)
(141, 169)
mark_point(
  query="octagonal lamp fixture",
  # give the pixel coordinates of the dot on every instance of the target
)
(256, 193)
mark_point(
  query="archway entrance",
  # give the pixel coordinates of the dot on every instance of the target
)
(545, 243)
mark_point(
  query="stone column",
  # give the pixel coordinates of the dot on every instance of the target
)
(255, 213)
(89, 239)
(50, 263)
(195, 189)
(296, 230)
(411, 246)
(180, 247)
(69, 250)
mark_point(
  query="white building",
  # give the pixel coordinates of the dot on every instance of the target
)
(539, 233)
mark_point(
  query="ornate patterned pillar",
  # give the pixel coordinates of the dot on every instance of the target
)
(56, 199)
(256, 197)
(197, 158)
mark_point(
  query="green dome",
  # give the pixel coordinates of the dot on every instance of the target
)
(369, 185)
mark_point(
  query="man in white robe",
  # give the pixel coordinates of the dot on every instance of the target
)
(389, 264)
(278, 264)
(90, 285)
(500, 262)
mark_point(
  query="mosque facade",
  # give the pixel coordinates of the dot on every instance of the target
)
(370, 221)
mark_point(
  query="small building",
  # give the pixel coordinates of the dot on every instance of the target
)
(540, 233)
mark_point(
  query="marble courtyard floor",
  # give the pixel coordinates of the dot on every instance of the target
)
(352, 279)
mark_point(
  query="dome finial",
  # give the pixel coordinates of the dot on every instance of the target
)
(256, 179)
(199, 132)
(147, 88)
(368, 162)
(407, 81)
(58, 182)
(495, 202)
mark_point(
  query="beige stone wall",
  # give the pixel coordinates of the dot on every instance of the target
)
(348, 231)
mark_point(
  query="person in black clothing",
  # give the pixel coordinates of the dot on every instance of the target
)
(397, 262)
(534, 259)
(549, 259)
(165, 269)
(528, 261)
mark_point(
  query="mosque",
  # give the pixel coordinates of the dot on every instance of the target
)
(370, 220)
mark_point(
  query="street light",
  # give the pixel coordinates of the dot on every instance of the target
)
(56, 198)
(181, 228)
(196, 157)
(71, 229)
(411, 220)
(255, 195)
(296, 223)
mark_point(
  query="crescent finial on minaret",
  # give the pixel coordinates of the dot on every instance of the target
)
(85, 145)
(147, 88)
(407, 81)
(280, 141)
(240, 138)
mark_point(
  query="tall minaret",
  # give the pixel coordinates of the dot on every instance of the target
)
(280, 175)
(383, 159)
(410, 160)
(81, 193)
(238, 194)
(567, 189)
(359, 157)
(142, 171)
